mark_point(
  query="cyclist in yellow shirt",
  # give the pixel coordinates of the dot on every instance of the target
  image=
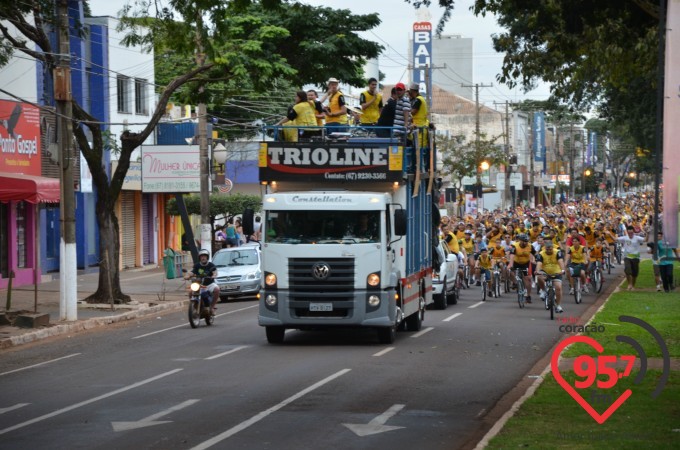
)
(597, 254)
(521, 256)
(483, 268)
(577, 260)
(550, 262)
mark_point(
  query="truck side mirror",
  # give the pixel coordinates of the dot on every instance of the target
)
(399, 222)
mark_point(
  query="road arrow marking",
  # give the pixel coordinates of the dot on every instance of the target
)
(12, 408)
(376, 425)
(151, 420)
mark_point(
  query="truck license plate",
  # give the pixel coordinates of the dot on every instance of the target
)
(321, 307)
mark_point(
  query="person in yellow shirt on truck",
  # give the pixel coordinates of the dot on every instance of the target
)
(371, 103)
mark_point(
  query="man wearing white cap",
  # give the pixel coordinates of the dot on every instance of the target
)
(336, 111)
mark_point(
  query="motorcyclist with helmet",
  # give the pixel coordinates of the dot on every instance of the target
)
(206, 271)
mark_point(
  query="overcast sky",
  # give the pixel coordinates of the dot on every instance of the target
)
(393, 33)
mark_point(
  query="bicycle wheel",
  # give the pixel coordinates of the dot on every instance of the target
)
(577, 289)
(496, 284)
(520, 294)
(597, 277)
(550, 300)
(609, 265)
(484, 288)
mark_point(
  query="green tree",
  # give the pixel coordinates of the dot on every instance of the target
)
(221, 206)
(236, 44)
(463, 159)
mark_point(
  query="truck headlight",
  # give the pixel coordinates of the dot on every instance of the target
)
(270, 279)
(373, 301)
(373, 280)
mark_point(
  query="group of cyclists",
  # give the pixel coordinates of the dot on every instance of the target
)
(525, 249)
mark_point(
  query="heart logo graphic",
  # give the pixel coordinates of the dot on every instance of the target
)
(554, 364)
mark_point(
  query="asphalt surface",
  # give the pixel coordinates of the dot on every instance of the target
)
(150, 381)
(151, 294)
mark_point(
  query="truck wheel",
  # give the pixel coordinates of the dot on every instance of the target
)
(275, 334)
(387, 335)
(415, 321)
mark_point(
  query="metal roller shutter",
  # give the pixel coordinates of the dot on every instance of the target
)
(128, 229)
(147, 230)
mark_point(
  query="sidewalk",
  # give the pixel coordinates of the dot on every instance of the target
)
(148, 288)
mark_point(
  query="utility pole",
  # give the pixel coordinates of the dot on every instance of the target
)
(572, 147)
(477, 155)
(508, 170)
(532, 156)
(68, 301)
(206, 228)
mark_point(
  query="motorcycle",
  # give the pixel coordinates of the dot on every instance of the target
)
(199, 304)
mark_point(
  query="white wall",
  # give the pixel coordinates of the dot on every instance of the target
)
(134, 63)
(19, 76)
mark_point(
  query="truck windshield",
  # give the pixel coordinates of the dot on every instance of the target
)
(323, 227)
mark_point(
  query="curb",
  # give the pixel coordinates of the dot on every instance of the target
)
(87, 324)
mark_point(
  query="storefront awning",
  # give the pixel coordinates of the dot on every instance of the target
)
(29, 188)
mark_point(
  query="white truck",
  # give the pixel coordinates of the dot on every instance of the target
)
(347, 235)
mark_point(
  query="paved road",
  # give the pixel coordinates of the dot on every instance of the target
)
(157, 383)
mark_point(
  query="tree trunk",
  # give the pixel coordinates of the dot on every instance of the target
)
(109, 244)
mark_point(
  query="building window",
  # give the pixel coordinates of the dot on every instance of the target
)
(140, 96)
(123, 94)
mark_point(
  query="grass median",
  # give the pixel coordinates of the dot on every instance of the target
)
(552, 419)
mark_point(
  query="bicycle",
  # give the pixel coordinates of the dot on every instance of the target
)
(577, 286)
(484, 278)
(467, 275)
(550, 296)
(521, 289)
(596, 277)
(496, 280)
(618, 253)
(607, 259)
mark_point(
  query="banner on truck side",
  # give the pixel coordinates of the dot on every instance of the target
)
(340, 162)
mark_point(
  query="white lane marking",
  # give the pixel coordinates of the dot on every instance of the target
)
(256, 418)
(382, 352)
(376, 425)
(476, 305)
(184, 324)
(151, 420)
(87, 402)
(39, 364)
(233, 350)
(12, 408)
(450, 318)
(421, 332)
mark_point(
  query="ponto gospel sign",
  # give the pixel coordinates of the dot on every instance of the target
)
(19, 138)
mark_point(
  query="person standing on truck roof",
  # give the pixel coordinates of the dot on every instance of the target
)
(371, 103)
(387, 114)
(336, 111)
(312, 96)
(402, 117)
(419, 113)
(301, 113)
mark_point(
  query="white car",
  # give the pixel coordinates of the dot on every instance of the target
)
(239, 271)
(445, 271)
